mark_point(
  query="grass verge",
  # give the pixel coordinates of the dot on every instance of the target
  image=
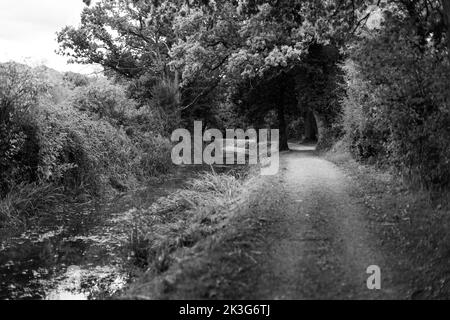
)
(196, 242)
(413, 226)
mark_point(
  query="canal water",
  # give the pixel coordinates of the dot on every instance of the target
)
(77, 252)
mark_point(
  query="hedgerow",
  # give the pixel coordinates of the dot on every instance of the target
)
(396, 108)
(81, 150)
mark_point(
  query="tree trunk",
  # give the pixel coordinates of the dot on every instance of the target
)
(320, 126)
(446, 6)
(282, 127)
(310, 126)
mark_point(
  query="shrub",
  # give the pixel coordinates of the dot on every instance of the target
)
(56, 143)
(74, 80)
(91, 154)
(147, 119)
(296, 128)
(365, 138)
(82, 152)
(46, 144)
(20, 91)
(156, 154)
(397, 105)
(166, 99)
(104, 99)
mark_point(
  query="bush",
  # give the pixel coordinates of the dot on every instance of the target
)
(57, 143)
(156, 154)
(104, 99)
(397, 106)
(330, 133)
(20, 91)
(90, 154)
(44, 144)
(74, 80)
(77, 154)
(362, 133)
(147, 119)
(296, 129)
(166, 99)
(84, 153)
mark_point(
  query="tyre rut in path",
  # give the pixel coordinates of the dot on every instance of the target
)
(320, 244)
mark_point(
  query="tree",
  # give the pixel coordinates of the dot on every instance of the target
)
(215, 45)
(318, 81)
(256, 99)
(397, 102)
(258, 41)
(130, 39)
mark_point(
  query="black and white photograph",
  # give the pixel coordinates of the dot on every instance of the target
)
(225, 154)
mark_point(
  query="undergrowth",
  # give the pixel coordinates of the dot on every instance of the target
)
(184, 218)
(24, 201)
(70, 135)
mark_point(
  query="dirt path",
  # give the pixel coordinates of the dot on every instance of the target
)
(302, 234)
(321, 242)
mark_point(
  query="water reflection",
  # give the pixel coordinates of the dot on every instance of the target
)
(76, 253)
(79, 284)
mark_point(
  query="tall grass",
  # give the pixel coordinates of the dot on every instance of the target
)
(182, 219)
(24, 201)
